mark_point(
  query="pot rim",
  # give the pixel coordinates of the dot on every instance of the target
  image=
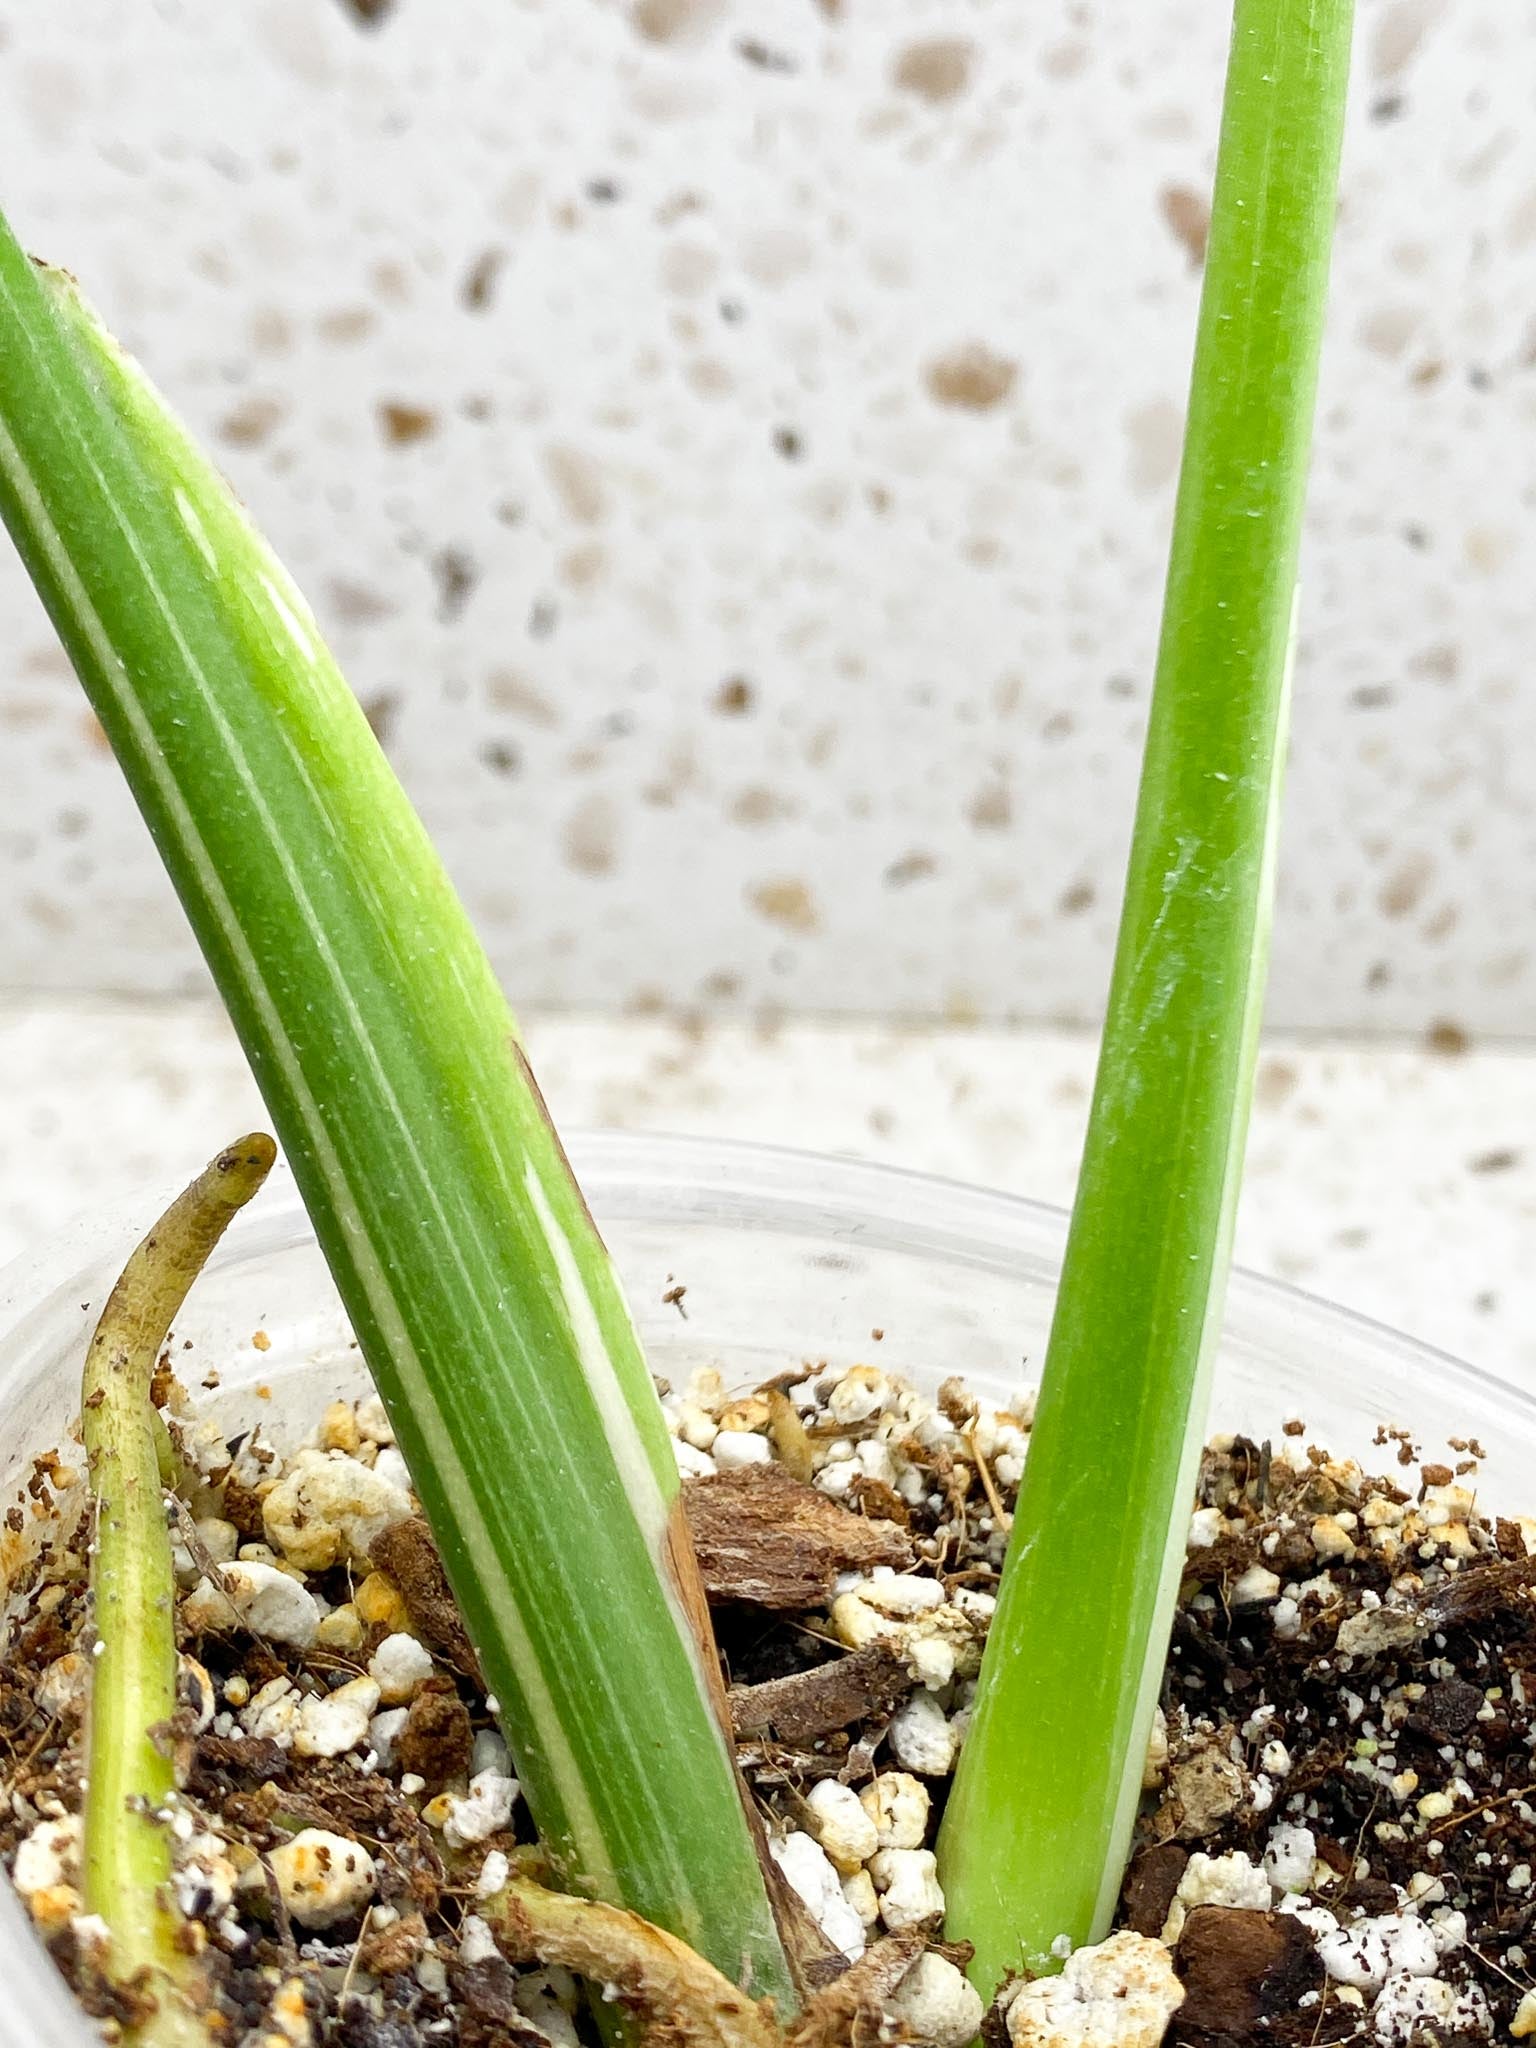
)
(745, 1187)
(780, 1188)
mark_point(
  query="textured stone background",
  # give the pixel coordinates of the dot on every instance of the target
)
(732, 445)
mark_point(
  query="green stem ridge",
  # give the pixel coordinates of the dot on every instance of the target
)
(476, 1282)
(127, 1846)
(1039, 1820)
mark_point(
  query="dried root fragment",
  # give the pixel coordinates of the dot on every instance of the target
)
(765, 1538)
(808, 1704)
(677, 1998)
(851, 2011)
(674, 1994)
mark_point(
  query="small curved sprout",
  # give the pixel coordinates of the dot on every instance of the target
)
(132, 1784)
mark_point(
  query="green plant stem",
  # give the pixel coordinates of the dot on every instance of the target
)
(127, 1848)
(1037, 1827)
(480, 1291)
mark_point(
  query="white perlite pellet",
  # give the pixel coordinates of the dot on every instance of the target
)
(811, 1875)
(1120, 1994)
(898, 1594)
(923, 1738)
(692, 1463)
(400, 1667)
(1408, 2004)
(897, 1805)
(859, 1891)
(1230, 1880)
(49, 1856)
(392, 1469)
(205, 1878)
(908, 1883)
(548, 1998)
(937, 2004)
(490, 1753)
(384, 1732)
(266, 1600)
(330, 1509)
(858, 1395)
(329, 1724)
(842, 1825)
(1255, 1588)
(477, 1944)
(1155, 1768)
(696, 1426)
(484, 1810)
(734, 1448)
(323, 1878)
(1371, 1950)
(273, 1712)
(1289, 1857)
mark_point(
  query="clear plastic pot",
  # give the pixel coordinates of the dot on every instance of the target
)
(784, 1256)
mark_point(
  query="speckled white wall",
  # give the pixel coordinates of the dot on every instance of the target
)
(732, 447)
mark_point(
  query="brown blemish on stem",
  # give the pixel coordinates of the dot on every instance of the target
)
(530, 1082)
(805, 1946)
